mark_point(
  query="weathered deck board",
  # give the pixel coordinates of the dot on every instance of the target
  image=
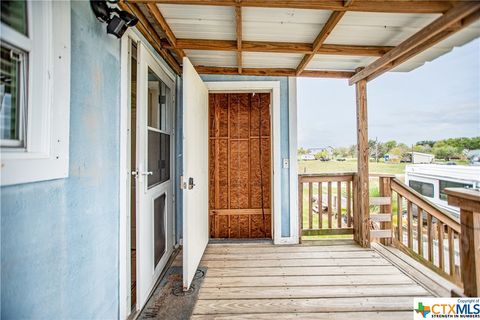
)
(301, 271)
(293, 263)
(342, 282)
(312, 292)
(282, 249)
(402, 315)
(292, 255)
(306, 280)
(245, 306)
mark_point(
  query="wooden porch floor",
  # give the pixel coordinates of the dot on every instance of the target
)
(340, 280)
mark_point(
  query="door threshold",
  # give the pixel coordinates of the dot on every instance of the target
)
(240, 240)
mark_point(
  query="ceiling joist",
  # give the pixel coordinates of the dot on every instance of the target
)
(157, 15)
(396, 6)
(279, 47)
(332, 21)
(238, 21)
(151, 35)
(275, 72)
(415, 43)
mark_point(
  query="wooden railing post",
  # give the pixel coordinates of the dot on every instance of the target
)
(385, 188)
(362, 167)
(468, 201)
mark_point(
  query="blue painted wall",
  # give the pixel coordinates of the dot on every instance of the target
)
(284, 136)
(59, 239)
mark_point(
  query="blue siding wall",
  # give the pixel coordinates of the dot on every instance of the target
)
(284, 134)
(59, 239)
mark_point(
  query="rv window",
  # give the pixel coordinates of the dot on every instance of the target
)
(450, 184)
(425, 189)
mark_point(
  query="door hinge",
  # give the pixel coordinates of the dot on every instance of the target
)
(183, 184)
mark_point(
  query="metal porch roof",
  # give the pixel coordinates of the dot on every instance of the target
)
(283, 26)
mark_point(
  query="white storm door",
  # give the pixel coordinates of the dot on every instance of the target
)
(154, 150)
(195, 171)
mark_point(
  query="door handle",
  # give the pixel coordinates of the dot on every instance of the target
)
(147, 173)
(191, 184)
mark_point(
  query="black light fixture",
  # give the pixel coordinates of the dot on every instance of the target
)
(118, 21)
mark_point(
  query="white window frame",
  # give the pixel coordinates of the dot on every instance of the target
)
(45, 154)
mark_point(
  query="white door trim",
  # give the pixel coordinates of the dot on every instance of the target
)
(292, 139)
(274, 88)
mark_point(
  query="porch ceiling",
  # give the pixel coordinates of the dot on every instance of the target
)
(305, 38)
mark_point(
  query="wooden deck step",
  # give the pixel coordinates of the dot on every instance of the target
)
(380, 201)
(381, 217)
(380, 234)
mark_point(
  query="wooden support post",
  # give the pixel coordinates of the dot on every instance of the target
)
(469, 203)
(300, 209)
(362, 168)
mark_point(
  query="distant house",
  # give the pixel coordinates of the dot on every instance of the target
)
(419, 157)
(474, 157)
(306, 157)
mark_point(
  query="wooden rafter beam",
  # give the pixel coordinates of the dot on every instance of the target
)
(347, 3)
(151, 35)
(396, 6)
(450, 19)
(283, 72)
(238, 20)
(157, 15)
(279, 47)
(322, 36)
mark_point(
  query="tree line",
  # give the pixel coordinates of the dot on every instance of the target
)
(447, 149)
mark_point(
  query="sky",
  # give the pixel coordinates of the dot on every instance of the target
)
(438, 100)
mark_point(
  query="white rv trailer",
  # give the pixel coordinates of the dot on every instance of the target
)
(430, 180)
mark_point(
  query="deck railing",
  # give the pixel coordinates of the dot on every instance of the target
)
(426, 232)
(326, 204)
(398, 216)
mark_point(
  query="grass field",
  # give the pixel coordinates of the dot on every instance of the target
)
(317, 166)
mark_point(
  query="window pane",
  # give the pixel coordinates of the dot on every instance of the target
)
(14, 15)
(449, 184)
(11, 87)
(423, 188)
(158, 96)
(158, 157)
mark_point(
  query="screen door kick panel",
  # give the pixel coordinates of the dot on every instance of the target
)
(239, 165)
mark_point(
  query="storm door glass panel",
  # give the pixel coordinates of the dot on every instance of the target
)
(158, 157)
(159, 228)
(158, 97)
(159, 134)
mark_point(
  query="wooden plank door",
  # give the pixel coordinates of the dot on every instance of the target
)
(240, 165)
